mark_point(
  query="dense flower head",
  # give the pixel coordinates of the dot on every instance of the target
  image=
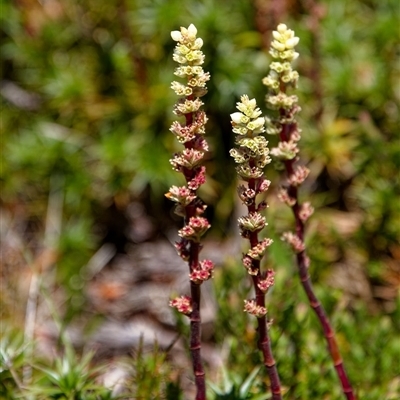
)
(257, 252)
(285, 150)
(187, 51)
(247, 121)
(252, 308)
(281, 74)
(188, 54)
(268, 281)
(254, 222)
(294, 241)
(187, 106)
(183, 304)
(299, 175)
(196, 228)
(188, 158)
(203, 272)
(252, 152)
(282, 47)
(181, 195)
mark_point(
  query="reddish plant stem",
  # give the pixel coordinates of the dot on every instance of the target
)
(195, 291)
(264, 341)
(305, 278)
(195, 342)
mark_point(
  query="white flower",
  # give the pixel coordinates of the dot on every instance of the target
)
(237, 117)
(184, 34)
(192, 32)
(256, 124)
(290, 43)
(176, 35)
(282, 28)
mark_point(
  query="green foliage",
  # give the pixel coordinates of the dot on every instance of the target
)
(152, 378)
(234, 389)
(12, 350)
(70, 378)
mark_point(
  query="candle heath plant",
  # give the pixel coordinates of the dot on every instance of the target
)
(280, 80)
(189, 162)
(251, 155)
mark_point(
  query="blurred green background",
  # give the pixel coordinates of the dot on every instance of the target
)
(85, 142)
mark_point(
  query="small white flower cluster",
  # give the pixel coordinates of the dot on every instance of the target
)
(281, 73)
(252, 153)
(282, 46)
(253, 308)
(188, 54)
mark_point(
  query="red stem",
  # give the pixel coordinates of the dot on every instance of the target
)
(306, 279)
(264, 341)
(195, 317)
(195, 342)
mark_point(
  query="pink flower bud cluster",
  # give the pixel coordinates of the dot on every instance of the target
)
(298, 176)
(252, 308)
(295, 242)
(257, 252)
(203, 272)
(183, 304)
(268, 281)
(195, 229)
(306, 210)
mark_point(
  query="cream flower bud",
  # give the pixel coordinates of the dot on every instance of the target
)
(256, 124)
(177, 36)
(237, 117)
(290, 43)
(198, 44)
(278, 46)
(192, 32)
(277, 35)
(282, 28)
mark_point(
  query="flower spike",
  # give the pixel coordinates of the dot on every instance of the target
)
(281, 78)
(251, 155)
(189, 162)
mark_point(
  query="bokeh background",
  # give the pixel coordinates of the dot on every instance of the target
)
(87, 234)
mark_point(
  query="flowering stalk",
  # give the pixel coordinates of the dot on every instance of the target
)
(189, 56)
(282, 77)
(252, 155)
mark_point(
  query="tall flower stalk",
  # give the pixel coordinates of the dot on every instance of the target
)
(280, 79)
(189, 161)
(252, 155)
